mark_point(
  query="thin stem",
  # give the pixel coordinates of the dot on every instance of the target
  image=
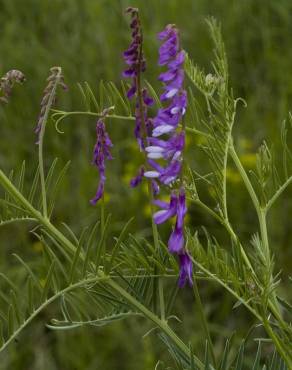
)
(282, 351)
(102, 218)
(156, 320)
(264, 234)
(11, 189)
(65, 114)
(224, 284)
(41, 134)
(261, 213)
(204, 320)
(47, 303)
(42, 172)
(244, 176)
(278, 193)
(229, 229)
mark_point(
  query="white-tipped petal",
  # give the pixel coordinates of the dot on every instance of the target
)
(174, 110)
(154, 155)
(151, 149)
(176, 155)
(151, 174)
(171, 93)
(163, 129)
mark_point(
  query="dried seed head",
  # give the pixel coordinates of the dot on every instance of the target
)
(7, 82)
(55, 79)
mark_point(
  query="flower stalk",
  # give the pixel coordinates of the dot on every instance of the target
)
(54, 80)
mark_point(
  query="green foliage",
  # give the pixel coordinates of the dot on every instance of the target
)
(97, 276)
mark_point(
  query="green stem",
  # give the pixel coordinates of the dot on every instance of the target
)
(47, 303)
(43, 124)
(9, 187)
(64, 114)
(227, 287)
(278, 193)
(156, 320)
(229, 229)
(264, 234)
(42, 172)
(245, 178)
(285, 354)
(261, 213)
(204, 320)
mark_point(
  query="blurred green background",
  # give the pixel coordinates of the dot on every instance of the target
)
(87, 39)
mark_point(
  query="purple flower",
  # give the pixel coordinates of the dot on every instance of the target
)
(166, 175)
(168, 209)
(133, 56)
(166, 149)
(155, 187)
(176, 207)
(168, 119)
(186, 270)
(135, 181)
(100, 154)
(169, 48)
(176, 240)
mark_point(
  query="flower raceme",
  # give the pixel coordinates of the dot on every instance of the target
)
(160, 138)
(100, 154)
(136, 65)
(170, 147)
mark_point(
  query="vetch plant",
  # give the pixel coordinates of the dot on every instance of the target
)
(97, 279)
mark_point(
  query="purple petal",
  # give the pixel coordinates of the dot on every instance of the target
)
(151, 174)
(176, 241)
(131, 92)
(146, 98)
(135, 181)
(99, 193)
(178, 61)
(181, 209)
(163, 129)
(155, 187)
(186, 270)
(131, 72)
(161, 204)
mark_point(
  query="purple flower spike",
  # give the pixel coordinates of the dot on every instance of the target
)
(136, 65)
(100, 154)
(186, 270)
(133, 56)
